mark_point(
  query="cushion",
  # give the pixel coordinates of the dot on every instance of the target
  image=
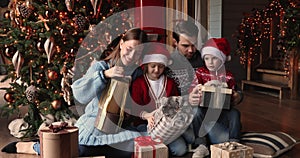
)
(268, 144)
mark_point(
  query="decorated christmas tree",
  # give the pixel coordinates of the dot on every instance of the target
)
(256, 27)
(41, 39)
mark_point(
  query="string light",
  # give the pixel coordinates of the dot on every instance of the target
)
(256, 27)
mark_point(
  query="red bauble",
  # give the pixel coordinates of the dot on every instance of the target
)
(9, 97)
(52, 75)
(56, 104)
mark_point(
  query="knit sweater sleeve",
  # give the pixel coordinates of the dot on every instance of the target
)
(91, 84)
(230, 80)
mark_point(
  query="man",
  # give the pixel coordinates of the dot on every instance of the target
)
(185, 59)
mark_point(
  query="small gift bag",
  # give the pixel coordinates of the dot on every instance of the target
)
(231, 150)
(59, 140)
(112, 104)
(171, 119)
(215, 95)
(146, 147)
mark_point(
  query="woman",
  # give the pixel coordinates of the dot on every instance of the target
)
(88, 89)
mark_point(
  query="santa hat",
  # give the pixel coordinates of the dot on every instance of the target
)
(218, 47)
(156, 52)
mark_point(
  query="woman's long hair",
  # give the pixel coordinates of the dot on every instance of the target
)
(132, 34)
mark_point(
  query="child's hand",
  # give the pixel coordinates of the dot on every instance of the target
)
(195, 96)
(115, 71)
(150, 118)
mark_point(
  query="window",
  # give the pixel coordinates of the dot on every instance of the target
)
(207, 13)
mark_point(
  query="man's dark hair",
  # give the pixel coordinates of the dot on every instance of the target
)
(188, 28)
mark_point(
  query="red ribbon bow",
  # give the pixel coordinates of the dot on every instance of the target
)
(146, 141)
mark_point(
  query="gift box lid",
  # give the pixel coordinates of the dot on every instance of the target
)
(205, 88)
(58, 128)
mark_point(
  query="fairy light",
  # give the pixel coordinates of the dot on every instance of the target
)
(257, 26)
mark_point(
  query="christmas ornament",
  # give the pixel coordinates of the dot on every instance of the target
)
(9, 52)
(13, 13)
(65, 31)
(80, 22)
(31, 93)
(69, 4)
(56, 104)
(66, 82)
(49, 14)
(6, 15)
(48, 46)
(8, 97)
(52, 75)
(39, 46)
(95, 4)
(17, 61)
(24, 9)
(42, 19)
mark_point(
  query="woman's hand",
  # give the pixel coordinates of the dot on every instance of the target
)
(195, 96)
(115, 71)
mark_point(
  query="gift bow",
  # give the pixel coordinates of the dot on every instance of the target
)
(146, 141)
(231, 146)
(57, 128)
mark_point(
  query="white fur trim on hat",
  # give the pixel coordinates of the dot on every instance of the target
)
(213, 51)
(157, 58)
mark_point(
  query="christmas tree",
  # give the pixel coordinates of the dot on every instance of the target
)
(256, 27)
(41, 39)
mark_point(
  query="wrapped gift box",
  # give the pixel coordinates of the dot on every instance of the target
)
(146, 147)
(59, 141)
(215, 97)
(231, 150)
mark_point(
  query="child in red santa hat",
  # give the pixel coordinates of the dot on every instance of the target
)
(223, 124)
(152, 86)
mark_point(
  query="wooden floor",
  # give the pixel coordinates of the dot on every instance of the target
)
(259, 113)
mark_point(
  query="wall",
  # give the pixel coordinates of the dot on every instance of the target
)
(214, 18)
(232, 14)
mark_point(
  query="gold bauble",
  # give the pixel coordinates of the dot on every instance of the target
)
(52, 75)
(56, 104)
